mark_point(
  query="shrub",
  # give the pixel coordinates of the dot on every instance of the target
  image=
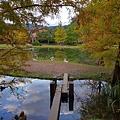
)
(36, 43)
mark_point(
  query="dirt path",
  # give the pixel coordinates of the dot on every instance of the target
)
(58, 68)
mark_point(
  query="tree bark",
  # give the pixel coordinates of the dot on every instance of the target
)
(116, 74)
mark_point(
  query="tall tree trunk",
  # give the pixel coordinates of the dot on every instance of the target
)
(116, 78)
(116, 74)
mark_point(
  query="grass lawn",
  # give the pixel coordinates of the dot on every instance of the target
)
(45, 46)
(55, 46)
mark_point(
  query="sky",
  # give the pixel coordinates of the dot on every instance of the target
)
(64, 18)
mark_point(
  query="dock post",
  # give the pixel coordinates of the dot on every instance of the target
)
(65, 88)
(52, 92)
(71, 95)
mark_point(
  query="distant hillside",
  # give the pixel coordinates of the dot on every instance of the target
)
(32, 27)
(50, 27)
(65, 26)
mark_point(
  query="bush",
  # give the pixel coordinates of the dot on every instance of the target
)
(36, 43)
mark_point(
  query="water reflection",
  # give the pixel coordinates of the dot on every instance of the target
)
(22, 116)
(94, 103)
(35, 105)
(63, 54)
(90, 101)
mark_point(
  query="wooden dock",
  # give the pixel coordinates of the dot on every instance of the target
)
(55, 108)
(65, 84)
(61, 93)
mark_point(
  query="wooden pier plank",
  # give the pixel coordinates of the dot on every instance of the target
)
(55, 108)
(65, 83)
(61, 92)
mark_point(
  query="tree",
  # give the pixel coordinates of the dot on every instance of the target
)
(72, 35)
(60, 35)
(44, 36)
(100, 28)
(52, 33)
(15, 56)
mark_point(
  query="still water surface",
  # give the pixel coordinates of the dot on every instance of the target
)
(34, 100)
(63, 54)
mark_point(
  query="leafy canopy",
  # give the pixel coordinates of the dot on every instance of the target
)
(44, 36)
(60, 35)
(100, 28)
(72, 35)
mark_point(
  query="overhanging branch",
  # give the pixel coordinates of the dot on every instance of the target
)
(45, 5)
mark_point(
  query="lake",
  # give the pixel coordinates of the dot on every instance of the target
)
(63, 54)
(33, 97)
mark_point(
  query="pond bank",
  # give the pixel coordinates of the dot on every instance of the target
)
(50, 69)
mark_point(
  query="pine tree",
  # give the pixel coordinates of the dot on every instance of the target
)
(60, 35)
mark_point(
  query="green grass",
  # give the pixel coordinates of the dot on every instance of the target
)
(2, 46)
(55, 46)
(94, 76)
(30, 75)
(48, 76)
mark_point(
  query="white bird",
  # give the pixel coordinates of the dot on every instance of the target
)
(51, 58)
(65, 60)
(34, 59)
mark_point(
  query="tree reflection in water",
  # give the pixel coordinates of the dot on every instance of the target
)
(97, 104)
(13, 84)
(22, 116)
